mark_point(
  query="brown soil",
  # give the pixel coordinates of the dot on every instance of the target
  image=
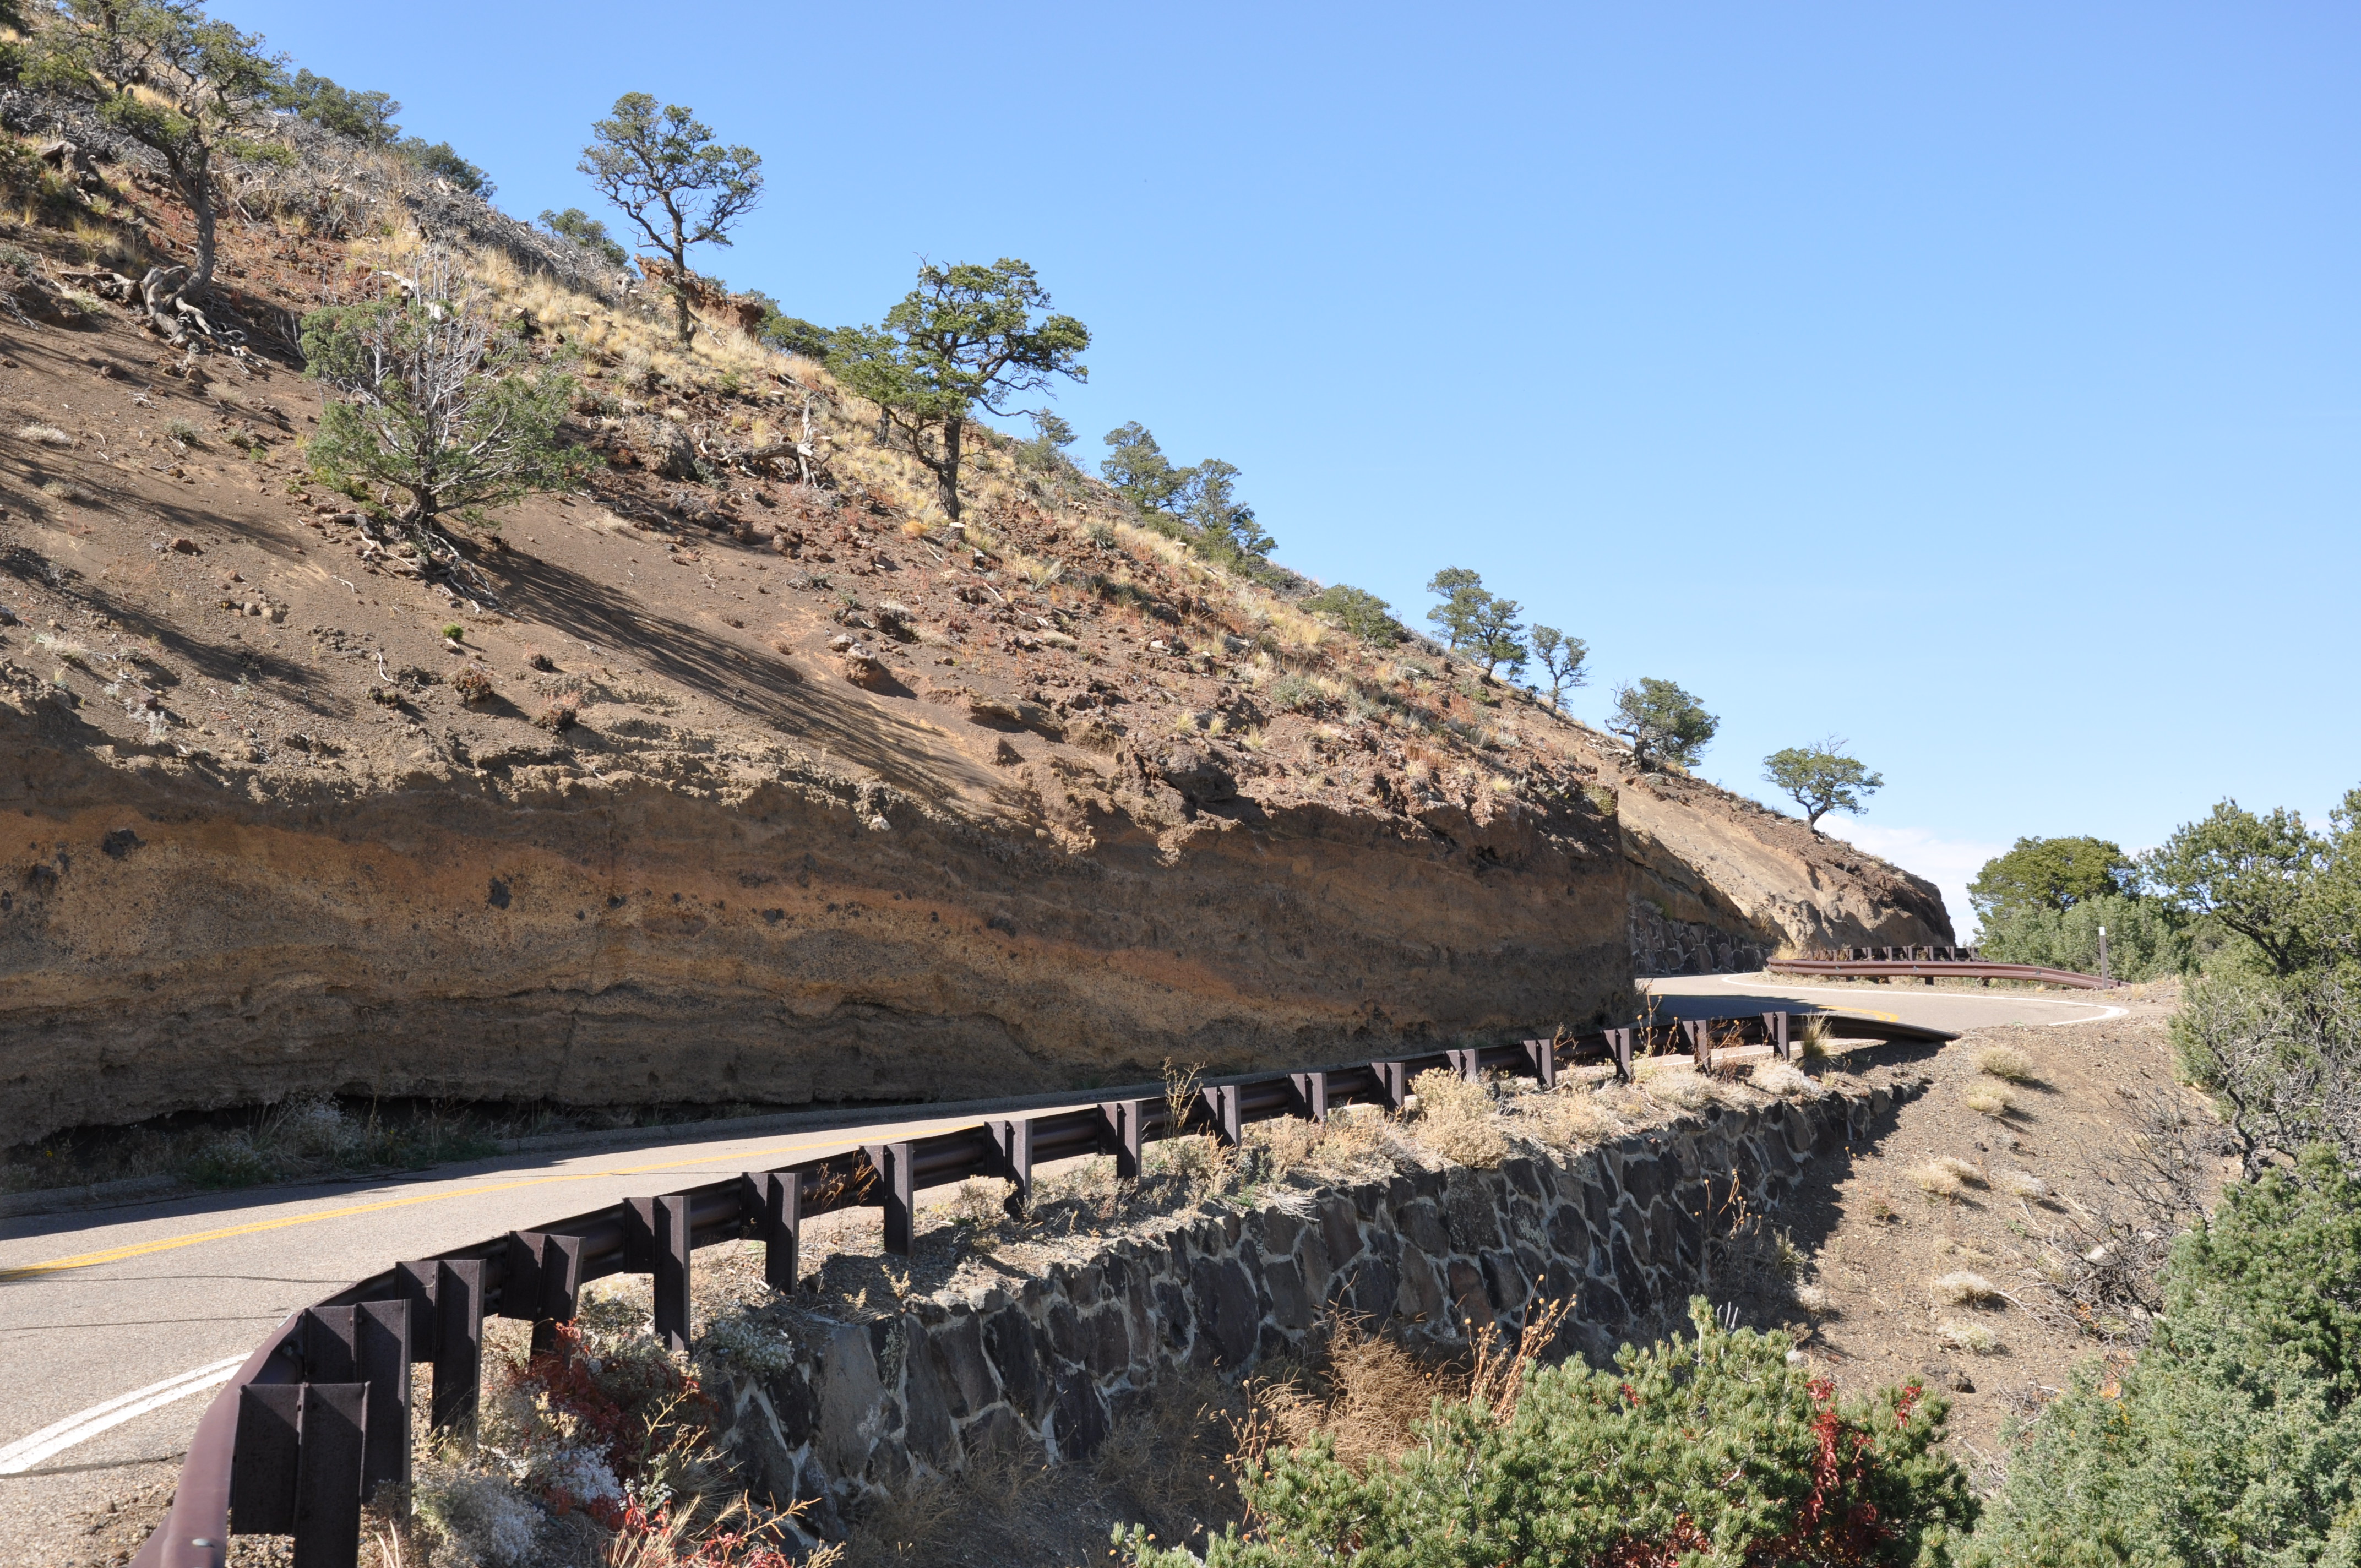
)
(1878, 1243)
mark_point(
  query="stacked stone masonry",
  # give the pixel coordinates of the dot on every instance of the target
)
(1619, 1228)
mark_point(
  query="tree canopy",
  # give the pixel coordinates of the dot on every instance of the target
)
(436, 401)
(968, 337)
(587, 232)
(1821, 778)
(1358, 611)
(1136, 465)
(668, 175)
(2050, 874)
(1662, 721)
(180, 83)
(1562, 657)
(2254, 874)
(1476, 621)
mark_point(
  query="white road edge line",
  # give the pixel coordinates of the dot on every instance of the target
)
(55, 1439)
(2105, 1011)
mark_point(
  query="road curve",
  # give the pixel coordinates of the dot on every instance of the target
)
(116, 1325)
(1717, 995)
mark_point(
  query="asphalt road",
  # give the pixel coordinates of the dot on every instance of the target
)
(116, 1325)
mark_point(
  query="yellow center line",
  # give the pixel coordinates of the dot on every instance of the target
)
(252, 1227)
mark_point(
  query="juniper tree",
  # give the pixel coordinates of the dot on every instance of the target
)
(967, 337)
(434, 401)
(1481, 623)
(2254, 874)
(1358, 611)
(1224, 527)
(664, 168)
(1136, 465)
(1661, 720)
(587, 232)
(189, 88)
(1820, 778)
(1562, 656)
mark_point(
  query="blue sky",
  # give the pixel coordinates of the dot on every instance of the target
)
(1978, 384)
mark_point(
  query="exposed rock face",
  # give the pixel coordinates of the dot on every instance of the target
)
(171, 943)
(1085, 801)
(845, 1410)
(1721, 884)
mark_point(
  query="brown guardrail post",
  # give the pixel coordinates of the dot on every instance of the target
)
(670, 1271)
(1619, 1045)
(897, 1193)
(1393, 1082)
(324, 1340)
(381, 1352)
(1221, 1102)
(561, 1288)
(778, 1205)
(458, 1341)
(541, 1283)
(1701, 1033)
(413, 1284)
(1125, 1131)
(1312, 1093)
(1464, 1063)
(1542, 1056)
(263, 1459)
(331, 1447)
(521, 1278)
(1775, 1026)
(1014, 1136)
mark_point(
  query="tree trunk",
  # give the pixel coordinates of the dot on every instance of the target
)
(947, 472)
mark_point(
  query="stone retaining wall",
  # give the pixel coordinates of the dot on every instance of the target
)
(1621, 1228)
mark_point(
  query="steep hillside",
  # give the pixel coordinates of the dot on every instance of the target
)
(785, 789)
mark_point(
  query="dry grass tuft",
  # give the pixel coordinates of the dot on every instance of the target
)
(44, 436)
(1969, 1174)
(1674, 1080)
(1457, 1120)
(1935, 1180)
(1962, 1287)
(1568, 1117)
(2005, 1063)
(2022, 1184)
(1973, 1338)
(1988, 1100)
(1784, 1080)
(1368, 1395)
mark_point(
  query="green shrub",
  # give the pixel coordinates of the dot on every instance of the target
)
(2144, 939)
(2235, 1438)
(1710, 1449)
(1358, 611)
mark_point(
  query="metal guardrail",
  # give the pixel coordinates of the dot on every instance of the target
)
(318, 1417)
(1931, 964)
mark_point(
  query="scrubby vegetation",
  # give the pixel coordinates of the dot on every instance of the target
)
(2234, 892)
(1714, 1450)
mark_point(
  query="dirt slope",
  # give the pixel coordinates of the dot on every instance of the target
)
(1070, 801)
